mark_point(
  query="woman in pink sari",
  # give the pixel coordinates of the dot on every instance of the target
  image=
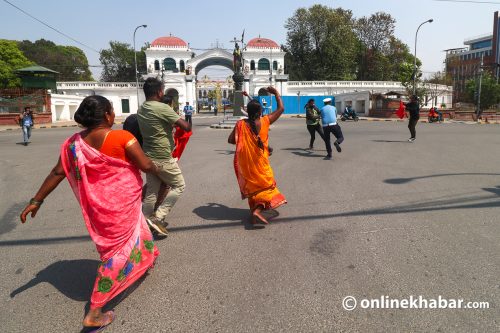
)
(102, 166)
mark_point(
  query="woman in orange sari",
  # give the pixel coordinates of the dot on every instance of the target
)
(251, 159)
(102, 166)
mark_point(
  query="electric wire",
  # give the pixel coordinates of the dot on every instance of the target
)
(49, 26)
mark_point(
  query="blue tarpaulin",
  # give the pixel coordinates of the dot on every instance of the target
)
(293, 104)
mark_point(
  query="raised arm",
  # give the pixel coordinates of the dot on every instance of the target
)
(55, 177)
(279, 110)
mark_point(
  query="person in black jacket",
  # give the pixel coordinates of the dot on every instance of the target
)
(313, 117)
(413, 108)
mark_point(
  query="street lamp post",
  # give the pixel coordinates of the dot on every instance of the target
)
(298, 102)
(415, 60)
(135, 62)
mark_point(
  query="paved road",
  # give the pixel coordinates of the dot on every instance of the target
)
(383, 218)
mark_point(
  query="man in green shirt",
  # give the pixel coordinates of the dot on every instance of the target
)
(156, 121)
(312, 121)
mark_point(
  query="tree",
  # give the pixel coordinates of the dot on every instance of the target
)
(405, 76)
(321, 44)
(11, 59)
(490, 92)
(118, 62)
(70, 61)
(431, 84)
(381, 54)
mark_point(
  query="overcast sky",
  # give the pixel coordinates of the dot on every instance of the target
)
(201, 23)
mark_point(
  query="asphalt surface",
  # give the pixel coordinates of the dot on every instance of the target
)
(383, 218)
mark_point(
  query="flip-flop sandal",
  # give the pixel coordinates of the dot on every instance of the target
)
(96, 329)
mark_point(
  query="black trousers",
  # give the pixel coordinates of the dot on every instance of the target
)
(411, 126)
(337, 133)
(188, 118)
(312, 130)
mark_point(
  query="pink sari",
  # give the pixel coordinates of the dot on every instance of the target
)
(109, 192)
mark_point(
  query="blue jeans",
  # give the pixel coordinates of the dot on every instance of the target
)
(26, 133)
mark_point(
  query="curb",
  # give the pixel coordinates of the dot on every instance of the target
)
(48, 126)
(216, 126)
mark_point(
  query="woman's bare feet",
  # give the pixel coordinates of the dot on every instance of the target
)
(96, 318)
(257, 216)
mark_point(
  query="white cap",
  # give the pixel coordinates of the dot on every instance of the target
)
(326, 100)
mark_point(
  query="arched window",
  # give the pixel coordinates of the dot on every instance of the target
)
(252, 65)
(200, 94)
(275, 65)
(224, 94)
(157, 65)
(263, 65)
(181, 66)
(169, 64)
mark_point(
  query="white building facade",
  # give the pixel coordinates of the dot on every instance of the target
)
(171, 60)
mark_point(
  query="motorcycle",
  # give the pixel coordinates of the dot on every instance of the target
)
(349, 114)
(434, 117)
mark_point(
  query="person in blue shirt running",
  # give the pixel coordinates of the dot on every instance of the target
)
(329, 123)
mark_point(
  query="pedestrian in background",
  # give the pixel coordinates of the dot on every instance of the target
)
(188, 113)
(330, 125)
(26, 121)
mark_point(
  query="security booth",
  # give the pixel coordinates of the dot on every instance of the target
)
(37, 82)
(38, 77)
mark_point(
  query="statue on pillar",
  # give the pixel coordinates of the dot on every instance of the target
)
(238, 76)
(237, 58)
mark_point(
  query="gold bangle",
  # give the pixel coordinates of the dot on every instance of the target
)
(35, 202)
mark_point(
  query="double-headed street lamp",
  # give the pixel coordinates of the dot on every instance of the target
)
(135, 62)
(415, 60)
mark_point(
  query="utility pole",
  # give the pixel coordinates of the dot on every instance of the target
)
(479, 91)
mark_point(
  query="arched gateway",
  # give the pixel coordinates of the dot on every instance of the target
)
(171, 59)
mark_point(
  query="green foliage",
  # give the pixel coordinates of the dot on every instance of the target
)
(326, 43)
(70, 61)
(118, 62)
(382, 55)
(490, 91)
(11, 59)
(321, 44)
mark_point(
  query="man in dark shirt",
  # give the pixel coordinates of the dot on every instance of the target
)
(413, 108)
(313, 117)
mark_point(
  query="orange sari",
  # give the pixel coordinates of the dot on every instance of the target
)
(253, 170)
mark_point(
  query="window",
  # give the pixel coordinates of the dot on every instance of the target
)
(275, 65)
(157, 65)
(252, 65)
(263, 65)
(181, 65)
(169, 64)
(200, 95)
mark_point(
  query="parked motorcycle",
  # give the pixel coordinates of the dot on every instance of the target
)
(349, 114)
